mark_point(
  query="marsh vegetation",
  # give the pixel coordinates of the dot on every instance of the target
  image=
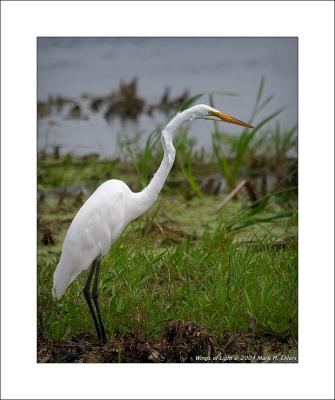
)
(210, 269)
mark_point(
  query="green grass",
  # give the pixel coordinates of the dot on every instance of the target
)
(214, 280)
(183, 259)
(67, 171)
(232, 151)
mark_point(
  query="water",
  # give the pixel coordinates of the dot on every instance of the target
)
(74, 66)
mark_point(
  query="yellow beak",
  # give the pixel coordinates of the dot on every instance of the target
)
(231, 120)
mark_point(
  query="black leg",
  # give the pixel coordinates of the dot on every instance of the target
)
(95, 294)
(88, 299)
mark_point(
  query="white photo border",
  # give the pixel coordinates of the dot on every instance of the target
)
(313, 23)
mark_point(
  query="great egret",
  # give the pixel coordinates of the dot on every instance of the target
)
(103, 217)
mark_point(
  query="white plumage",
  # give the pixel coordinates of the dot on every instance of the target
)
(98, 223)
(106, 213)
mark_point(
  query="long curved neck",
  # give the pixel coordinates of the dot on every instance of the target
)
(149, 194)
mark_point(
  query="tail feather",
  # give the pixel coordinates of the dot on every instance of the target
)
(70, 265)
(63, 277)
(59, 285)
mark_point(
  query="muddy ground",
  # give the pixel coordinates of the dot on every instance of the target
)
(181, 342)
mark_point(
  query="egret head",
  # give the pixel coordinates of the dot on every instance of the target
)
(203, 111)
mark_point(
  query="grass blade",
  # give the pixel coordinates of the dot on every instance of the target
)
(189, 102)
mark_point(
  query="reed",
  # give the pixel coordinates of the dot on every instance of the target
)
(231, 151)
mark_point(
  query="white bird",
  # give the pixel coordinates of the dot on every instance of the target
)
(106, 213)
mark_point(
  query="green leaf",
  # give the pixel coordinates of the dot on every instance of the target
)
(259, 92)
(189, 102)
(245, 140)
(225, 93)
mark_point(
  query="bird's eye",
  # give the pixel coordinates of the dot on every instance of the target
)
(210, 113)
